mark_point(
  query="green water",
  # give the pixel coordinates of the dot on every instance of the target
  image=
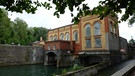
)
(30, 70)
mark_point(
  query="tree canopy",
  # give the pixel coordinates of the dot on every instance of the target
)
(18, 32)
(105, 7)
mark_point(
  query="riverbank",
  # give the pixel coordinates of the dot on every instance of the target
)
(87, 71)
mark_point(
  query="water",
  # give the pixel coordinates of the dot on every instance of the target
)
(30, 70)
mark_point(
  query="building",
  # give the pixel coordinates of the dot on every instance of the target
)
(39, 43)
(92, 36)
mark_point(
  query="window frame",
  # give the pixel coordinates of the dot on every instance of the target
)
(88, 45)
(54, 47)
(75, 35)
(67, 36)
(97, 45)
(49, 47)
(51, 38)
(87, 30)
(98, 30)
(55, 37)
(62, 36)
(111, 27)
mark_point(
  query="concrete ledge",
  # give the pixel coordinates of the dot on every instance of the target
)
(87, 71)
(124, 71)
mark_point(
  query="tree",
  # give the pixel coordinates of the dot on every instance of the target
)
(40, 32)
(21, 30)
(18, 32)
(105, 7)
(4, 27)
(29, 6)
(30, 35)
(132, 41)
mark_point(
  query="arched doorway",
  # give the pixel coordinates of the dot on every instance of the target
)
(51, 58)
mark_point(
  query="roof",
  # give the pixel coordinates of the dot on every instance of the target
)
(62, 27)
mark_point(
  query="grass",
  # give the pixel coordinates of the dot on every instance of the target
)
(73, 68)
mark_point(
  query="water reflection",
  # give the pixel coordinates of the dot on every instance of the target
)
(29, 70)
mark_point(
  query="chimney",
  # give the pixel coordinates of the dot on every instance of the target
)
(40, 38)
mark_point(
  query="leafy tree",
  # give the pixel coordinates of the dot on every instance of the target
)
(21, 30)
(40, 32)
(4, 27)
(29, 6)
(105, 7)
(30, 35)
(18, 32)
(131, 41)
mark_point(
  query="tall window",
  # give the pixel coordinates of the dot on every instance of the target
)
(97, 28)
(87, 30)
(62, 36)
(114, 29)
(54, 47)
(55, 37)
(111, 27)
(75, 35)
(67, 36)
(51, 38)
(48, 47)
(97, 42)
(88, 43)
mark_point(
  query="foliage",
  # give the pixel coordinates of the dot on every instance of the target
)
(4, 26)
(64, 71)
(18, 32)
(77, 68)
(105, 7)
(40, 32)
(132, 41)
(29, 6)
(74, 68)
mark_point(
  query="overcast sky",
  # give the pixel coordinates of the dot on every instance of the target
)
(45, 18)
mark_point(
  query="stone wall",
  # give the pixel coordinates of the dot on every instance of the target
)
(19, 55)
(87, 71)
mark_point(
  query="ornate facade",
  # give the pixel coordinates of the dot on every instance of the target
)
(91, 34)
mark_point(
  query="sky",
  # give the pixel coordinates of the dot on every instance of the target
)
(45, 18)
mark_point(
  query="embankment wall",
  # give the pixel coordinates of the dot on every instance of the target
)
(19, 55)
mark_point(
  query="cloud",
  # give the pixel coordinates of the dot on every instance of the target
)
(126, 31)
(45, 18)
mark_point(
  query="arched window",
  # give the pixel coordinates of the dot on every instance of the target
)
(62, 36)
(55, 37)
(114, 29)
(54, 47)
(76, 36)
(87, 30)
(67, 36)
(51, 38)
(48, 47)
(111, 27)
(97, 28)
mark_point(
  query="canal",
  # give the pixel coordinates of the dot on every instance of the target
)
(30, 70)
(41, 70)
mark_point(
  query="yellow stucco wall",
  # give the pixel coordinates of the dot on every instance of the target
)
(91, 20)
(64, 30)
(75, 27)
